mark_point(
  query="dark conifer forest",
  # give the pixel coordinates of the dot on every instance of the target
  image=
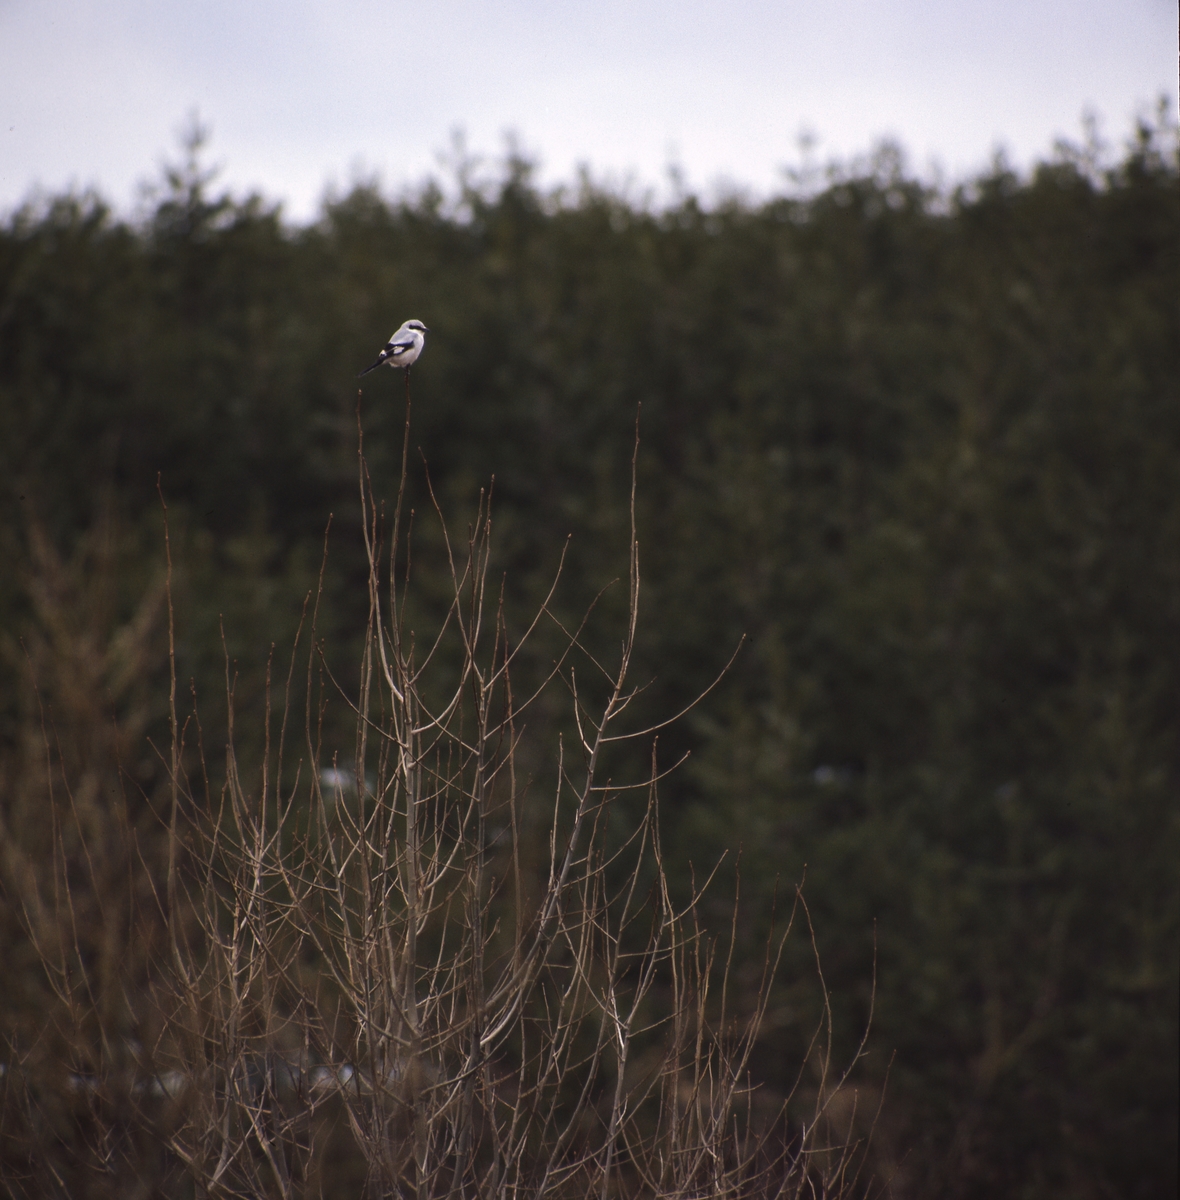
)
(913, 454)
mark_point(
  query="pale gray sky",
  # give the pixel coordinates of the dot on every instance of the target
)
(305, 93)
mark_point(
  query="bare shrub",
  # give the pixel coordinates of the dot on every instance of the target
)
(370, 981)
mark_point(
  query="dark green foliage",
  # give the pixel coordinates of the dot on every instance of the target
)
(923, 452)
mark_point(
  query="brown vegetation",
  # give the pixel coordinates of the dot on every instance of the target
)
(392, 976)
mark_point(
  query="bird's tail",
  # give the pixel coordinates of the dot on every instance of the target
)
(372, 368)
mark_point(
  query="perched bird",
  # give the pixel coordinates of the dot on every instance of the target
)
(403, 348)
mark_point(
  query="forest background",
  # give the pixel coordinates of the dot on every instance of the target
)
(920, 448)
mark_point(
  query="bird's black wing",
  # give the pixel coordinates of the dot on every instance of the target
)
(392, 350)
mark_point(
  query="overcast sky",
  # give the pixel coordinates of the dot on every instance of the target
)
(303, 94)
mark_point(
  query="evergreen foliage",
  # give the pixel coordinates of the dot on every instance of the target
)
(921, 451)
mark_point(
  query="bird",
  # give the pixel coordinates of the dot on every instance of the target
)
(403, 348)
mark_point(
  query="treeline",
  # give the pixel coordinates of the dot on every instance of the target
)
(921, 451)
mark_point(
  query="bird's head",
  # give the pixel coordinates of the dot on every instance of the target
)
(417, 325)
